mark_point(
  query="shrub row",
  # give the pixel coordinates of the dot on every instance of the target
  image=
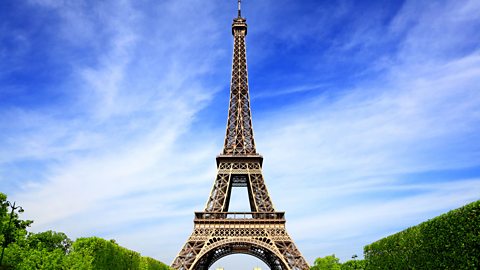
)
(55, 251)
(449, 241)
(85, 254)
(99, 254)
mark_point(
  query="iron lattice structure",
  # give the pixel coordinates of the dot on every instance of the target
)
(218, 232)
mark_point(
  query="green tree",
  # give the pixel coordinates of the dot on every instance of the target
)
(25, 251)
(327, 263)
(12, 228)
(45, 250)
(353, 265)
(55, 251)
(41, 258)
(49, 241)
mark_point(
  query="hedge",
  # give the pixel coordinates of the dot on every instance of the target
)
(98, 254)
(449, 241)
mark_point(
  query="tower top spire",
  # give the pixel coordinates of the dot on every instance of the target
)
(239, 8)
(239, 24)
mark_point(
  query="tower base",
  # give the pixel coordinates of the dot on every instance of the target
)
(260, 234)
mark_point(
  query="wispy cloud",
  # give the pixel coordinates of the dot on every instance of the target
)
(354, 156)
(117, 137)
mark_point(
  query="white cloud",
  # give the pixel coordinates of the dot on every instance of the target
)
(348, 161)
(124, 129)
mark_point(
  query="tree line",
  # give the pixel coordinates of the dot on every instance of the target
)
(449, 241)
(331, 262)
(24, 250)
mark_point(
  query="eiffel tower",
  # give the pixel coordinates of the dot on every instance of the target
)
(217, 232)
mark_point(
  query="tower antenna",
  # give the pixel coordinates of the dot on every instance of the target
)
(239, 8)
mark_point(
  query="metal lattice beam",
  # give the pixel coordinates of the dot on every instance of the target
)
(239, 136)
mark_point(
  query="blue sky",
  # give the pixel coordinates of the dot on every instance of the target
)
(367, 114)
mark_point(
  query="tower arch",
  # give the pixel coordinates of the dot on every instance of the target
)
(264, 251)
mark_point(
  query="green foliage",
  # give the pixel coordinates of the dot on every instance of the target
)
(449, 241)
(148, 263)
(99, 254)
(49, 241)
(45, 250)
(102, 254)
(12, 232)
(55, 251)
(41, 259)
(327, 263)
(353, 265)
(12, 228)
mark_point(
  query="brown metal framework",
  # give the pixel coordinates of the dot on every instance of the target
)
(218, 232)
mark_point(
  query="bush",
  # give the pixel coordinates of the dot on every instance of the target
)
(353, 265)
(54, 250)
(98, 254)
(148, 263)
(329, 262)
(449, 241)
